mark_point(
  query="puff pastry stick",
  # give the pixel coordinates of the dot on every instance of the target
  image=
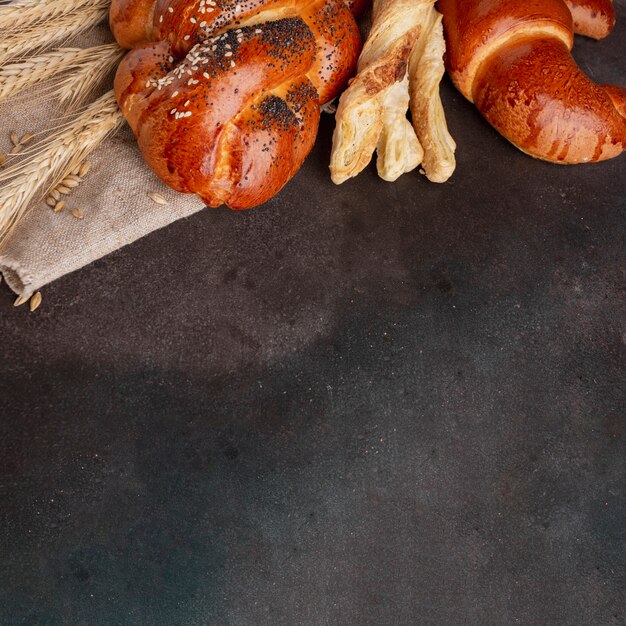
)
(372, 114)
(426, 69)
(377, 98)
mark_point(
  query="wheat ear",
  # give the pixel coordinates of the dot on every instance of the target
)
(50, 160)
(95, 65)
(24, 14)
(18, 44)
(88, 67)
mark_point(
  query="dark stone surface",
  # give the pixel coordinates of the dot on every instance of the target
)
(368, 404)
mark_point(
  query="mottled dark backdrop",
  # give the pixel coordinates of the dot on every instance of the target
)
(369, 404)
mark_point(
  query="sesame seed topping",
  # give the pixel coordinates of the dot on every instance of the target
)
(187, 37)
(187, 103)
(170, 9)
(228, 54)
(193, 20)
(175, 94)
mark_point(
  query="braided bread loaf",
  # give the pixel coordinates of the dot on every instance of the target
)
(512, 59)
(224, 96)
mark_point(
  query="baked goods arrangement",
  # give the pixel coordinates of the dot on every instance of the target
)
(225, 96)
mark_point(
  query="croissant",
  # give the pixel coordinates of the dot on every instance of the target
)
(512, 59)
(224, 96)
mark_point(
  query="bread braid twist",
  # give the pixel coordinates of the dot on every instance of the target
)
(224, 96)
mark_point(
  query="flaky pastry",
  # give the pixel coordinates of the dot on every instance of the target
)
(401, 64)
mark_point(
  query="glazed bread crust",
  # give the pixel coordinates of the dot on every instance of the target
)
(512, 59)
(224, 98)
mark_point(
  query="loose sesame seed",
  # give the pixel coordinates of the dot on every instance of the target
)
(172, 111)
(160, 19)
(187, 37)
(170, 9)
(193, 20)
(174, 94)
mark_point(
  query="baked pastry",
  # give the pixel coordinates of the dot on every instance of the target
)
(224, 95)
(401, 65)
(512, 59)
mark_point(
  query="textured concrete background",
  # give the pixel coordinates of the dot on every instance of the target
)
(368, 404)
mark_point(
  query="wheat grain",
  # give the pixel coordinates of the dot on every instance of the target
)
(3, 159)
(58, 207)
(78, 213)
(50, 201)
(20, 300)
(27, 138)
(51, 159)
(157, 197)
(55, 194)
(19, 15)
(35, 301)
(14, 138)
(84, 168)
(16, 45)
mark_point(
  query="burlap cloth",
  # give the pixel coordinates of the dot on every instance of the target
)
(113, 197)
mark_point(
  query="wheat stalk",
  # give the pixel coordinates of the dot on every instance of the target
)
(21, 15)
(53, 158)
(88, 67)
(40, 36)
